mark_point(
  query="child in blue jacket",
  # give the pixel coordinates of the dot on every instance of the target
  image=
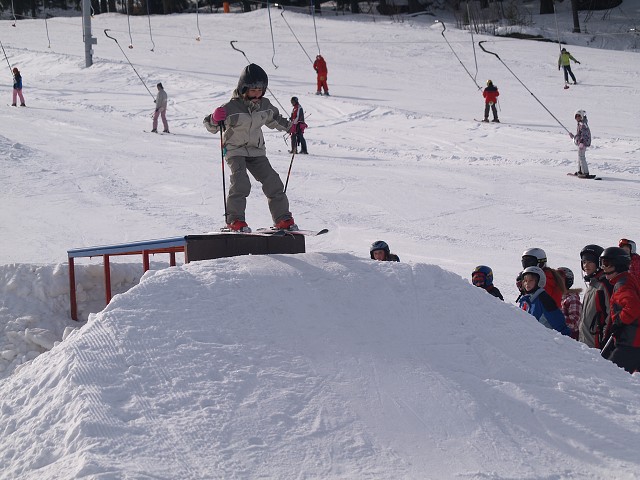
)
(539, 303)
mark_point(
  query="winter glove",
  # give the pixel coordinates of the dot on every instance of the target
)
(209, 124)
(558, 67)
(571, 135)
(154, 100)
(219, 115)
(577, 62)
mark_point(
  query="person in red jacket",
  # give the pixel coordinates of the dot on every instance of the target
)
(624, 311)
(320, 66)
(630, 247)
(490, 95)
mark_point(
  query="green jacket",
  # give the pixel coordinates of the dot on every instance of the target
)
(565, 59)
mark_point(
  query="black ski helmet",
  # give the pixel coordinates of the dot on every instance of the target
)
(294, 100)
(567, 275)
(379, 245)
(252, 76)
(591, 253)
(618, 257)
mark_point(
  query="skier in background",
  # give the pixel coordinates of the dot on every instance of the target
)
(241, 120)
(320, 66)
(161, 110)
(379, 250)
(298, 127)
(17, 87)
(490, 94)
(564, 61)
(582, 139)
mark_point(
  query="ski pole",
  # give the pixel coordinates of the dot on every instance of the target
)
(125, 56)
(525, 87)
(293, 155)
(249, 61)
(224, 185)
(456, 55)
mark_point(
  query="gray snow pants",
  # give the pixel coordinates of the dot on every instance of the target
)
(240, 187)
(582, 161)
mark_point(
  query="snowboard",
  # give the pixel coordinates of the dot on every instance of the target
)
(585, 177)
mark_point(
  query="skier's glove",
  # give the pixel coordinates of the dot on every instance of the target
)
(219, 115)
(558, 67)
(578, 62)
(571, 135)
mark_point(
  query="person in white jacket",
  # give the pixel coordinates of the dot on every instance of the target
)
(161, 110)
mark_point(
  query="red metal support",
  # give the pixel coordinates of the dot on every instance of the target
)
(145, 260)
(72, 289)
(172, 259)
(107, 278)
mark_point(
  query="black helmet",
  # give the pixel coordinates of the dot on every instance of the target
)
(617, 257)
(252, 76)
(591, 253)
(379, 245)
(568, 276)
(294, 100)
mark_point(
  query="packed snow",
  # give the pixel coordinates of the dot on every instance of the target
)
(325, 364)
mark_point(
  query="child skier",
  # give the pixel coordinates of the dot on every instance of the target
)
(482, 276)
(490, 94)
(380, 251)
(582, 139)
(320, 66)
(161, 110)
(564, 61)
(17, 87)
(241, 120)
(570, 305)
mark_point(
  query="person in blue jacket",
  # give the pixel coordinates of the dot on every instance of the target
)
(17, 87)
(539, 303)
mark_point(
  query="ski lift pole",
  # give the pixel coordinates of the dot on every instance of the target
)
(6, 58)
(125, 56)
(249, 61)
(525, 87)
(444, 27)
(294, 36)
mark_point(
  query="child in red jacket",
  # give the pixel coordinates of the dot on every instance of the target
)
(490, 95)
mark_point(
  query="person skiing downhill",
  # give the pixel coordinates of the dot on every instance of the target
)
(582, 139)
(241, 120)
(320, 66)
(564, 61)
(17, 87)
(161, 110)
(490, 94)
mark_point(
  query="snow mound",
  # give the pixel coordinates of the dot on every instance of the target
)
(315, 366)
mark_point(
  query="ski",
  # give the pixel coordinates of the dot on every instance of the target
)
(483, 121)
(158, 133)
(225, 230)
(307, 233)
(586, 177)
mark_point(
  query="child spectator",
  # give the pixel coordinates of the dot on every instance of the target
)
(379, 250)
(595, 302)
(630, 247)
(625, 309)
(539, 303)
(570, 304)
(554, 284)
(482, 276)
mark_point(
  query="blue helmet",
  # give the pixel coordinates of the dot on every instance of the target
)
(488, 275)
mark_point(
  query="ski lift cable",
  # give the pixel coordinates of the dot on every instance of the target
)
(525, 87)
(125, 56)
(272, 41)
(313, 14)
(294, 35)
(444, 27)
(153, 44)
(249, 61)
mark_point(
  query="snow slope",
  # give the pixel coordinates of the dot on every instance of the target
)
(324, 364)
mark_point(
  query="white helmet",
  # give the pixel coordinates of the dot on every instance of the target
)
(542, 278)
(538, 253)
(581, 112)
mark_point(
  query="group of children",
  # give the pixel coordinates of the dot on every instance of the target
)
(607, 317)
